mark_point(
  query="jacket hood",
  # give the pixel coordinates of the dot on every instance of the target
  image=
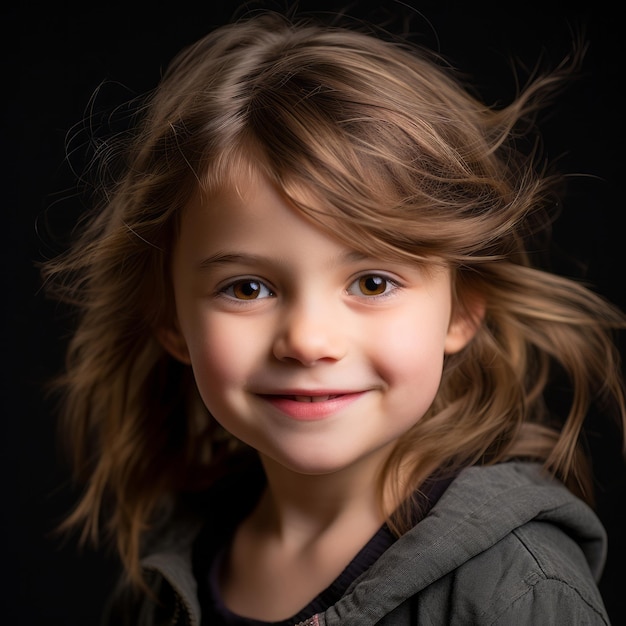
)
(479, 508)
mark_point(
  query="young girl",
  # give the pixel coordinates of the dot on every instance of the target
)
(309, 381)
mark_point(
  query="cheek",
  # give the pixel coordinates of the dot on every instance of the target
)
(415, 352)
(219, 355)
(411, 353)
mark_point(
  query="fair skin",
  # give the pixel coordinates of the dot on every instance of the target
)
(318, 357)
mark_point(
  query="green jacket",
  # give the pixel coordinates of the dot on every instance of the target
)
(504, 546)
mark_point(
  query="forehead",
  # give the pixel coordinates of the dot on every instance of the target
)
(249, 213)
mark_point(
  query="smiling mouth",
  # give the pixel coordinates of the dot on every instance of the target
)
(308, 408)
(312, 398)
(297, 397)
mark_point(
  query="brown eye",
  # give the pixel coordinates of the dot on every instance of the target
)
(372, 285)
(247, 290)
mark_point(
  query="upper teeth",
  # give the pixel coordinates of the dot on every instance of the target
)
(311, 398)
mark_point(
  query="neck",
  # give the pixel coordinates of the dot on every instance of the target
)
(302, 508)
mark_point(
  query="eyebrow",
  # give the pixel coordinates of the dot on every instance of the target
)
(226, 258)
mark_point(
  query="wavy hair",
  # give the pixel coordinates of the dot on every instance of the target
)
(382, 144)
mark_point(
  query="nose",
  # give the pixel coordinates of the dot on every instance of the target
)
(309, 334)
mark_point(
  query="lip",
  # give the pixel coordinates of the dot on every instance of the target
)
(303, 405)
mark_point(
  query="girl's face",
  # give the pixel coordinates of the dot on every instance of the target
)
(312, 353)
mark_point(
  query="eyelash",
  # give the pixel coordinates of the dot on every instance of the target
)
(227, 291)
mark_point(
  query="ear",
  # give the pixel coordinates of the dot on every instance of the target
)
(173, 341)
(464, 324)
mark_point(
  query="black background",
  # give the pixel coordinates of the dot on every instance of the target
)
(55, 57)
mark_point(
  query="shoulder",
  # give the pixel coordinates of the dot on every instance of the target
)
(537, 574)
(489, 503)
(527, 551)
